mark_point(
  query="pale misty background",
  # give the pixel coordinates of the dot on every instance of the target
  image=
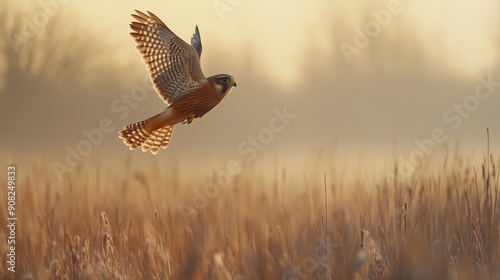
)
(66, 64)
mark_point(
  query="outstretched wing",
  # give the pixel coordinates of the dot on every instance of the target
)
(173, 64)
(196, 41)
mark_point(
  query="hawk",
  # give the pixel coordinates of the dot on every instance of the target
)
(174, 67)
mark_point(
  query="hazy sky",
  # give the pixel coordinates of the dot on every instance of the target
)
(358, 75)
(283, 34)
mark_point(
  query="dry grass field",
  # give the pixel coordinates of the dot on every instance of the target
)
(159, 221)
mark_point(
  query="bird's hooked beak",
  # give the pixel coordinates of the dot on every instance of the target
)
(234, 84)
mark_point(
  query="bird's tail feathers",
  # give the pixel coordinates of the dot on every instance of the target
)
(138, 134)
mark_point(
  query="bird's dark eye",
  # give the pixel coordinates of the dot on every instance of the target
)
(224, 80)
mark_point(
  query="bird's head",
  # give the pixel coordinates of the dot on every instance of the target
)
(223, 83)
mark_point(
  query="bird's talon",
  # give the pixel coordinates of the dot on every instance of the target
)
(188, 120)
